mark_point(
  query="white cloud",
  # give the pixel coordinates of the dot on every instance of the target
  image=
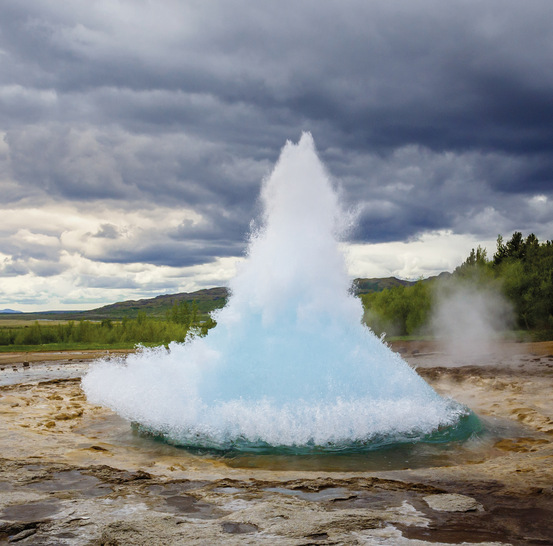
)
(430, 254)
(59, 263)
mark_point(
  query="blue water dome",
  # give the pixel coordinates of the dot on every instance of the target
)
(289, 363)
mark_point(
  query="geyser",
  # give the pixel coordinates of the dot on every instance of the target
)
(289, 362)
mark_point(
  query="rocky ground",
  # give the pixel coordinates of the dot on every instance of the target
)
(73, 473)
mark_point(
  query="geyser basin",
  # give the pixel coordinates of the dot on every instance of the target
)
(289, 364)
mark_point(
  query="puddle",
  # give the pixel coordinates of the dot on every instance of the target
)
(73, 480)
(174, 488)
(30, 512)
(185, 504)
(42, 371)
(175, 501)
(239, 528)
(511, 520)
(330, 493)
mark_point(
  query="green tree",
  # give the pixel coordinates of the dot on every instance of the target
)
(525, 268)
(400, 310)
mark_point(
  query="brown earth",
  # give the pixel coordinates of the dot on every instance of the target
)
(73, 473)
(51, 356)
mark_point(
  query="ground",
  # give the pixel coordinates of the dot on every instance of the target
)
(74, 473)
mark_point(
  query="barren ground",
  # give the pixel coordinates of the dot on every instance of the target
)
(73, 473)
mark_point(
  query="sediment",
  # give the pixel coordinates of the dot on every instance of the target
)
(73, 473)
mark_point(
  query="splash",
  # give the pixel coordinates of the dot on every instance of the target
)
(289, 362)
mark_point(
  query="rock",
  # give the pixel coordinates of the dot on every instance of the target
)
(452, 502)
(66, 416)
(22, 535)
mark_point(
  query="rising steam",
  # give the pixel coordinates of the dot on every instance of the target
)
(469, 319)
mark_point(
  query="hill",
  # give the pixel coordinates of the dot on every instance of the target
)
(207, 300)
(366, 286)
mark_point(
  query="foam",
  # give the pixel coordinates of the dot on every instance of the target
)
(289, 362)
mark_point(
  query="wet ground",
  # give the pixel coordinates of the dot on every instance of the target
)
(73, 473)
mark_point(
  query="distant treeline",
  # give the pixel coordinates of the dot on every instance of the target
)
(180, 320)
(521, 270)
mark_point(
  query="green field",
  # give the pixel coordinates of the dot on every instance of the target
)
(180, 321)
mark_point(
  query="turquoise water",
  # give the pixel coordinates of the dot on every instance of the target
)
(473, 441)
(468, 426)
(470, 440)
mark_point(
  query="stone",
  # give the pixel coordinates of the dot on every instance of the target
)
(453, 502)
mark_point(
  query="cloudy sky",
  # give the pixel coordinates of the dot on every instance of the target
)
(134, 135)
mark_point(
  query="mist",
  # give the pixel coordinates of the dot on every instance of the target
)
(467, 320)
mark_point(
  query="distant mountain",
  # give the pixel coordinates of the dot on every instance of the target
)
(10, 311)
(366, 286)
(207, 300)
(214, 298)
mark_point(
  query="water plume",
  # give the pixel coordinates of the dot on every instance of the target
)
(289, 362)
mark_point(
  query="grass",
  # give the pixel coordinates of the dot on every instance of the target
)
(21, 323)
(73, 346)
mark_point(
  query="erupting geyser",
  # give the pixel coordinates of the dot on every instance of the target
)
(289, 362)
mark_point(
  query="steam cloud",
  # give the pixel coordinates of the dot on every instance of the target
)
(468, 320)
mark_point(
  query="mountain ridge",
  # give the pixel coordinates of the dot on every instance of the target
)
(207, 300)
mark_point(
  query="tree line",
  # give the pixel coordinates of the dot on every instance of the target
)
(181, 320)
(521, 270)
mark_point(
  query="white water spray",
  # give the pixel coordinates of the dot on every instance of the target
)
(289, 362)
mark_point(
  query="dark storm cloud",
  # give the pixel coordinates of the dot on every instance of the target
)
(167, 253)
(429, 113)
(98, 281)
(125, 283)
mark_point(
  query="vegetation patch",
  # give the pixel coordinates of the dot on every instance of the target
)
(521, 271)
(181, 321)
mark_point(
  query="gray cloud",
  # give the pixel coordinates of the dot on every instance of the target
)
(107, 231)
(25, 265)
(431, 115)
(165, 252)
